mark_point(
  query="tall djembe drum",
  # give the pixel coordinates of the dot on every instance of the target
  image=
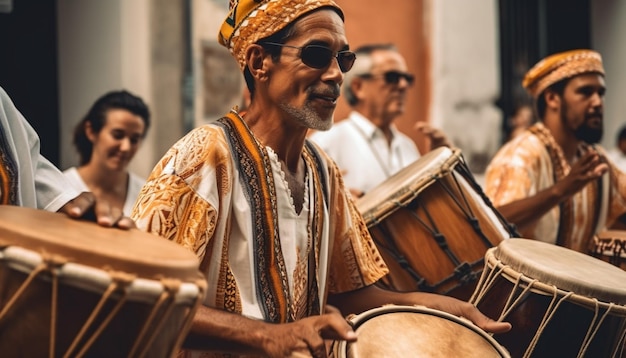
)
(560, 302)
(71, 288)
(433, 224)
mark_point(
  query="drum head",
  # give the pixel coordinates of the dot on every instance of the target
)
(414, 331)
(566, 269)
(86, 243)
(405, 185)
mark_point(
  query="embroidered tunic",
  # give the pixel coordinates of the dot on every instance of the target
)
(533, 162)
(221, 194)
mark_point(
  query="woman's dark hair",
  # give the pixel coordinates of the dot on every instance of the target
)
(97, 115)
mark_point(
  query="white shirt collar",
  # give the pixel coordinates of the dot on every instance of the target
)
(367, 127)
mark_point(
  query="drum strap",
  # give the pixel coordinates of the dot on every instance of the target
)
(466, 173)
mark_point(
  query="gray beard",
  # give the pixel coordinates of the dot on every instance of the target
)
(308, 117)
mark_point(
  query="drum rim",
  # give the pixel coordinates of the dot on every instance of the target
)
(98, 280)
(390, 203)
(356, 320)
(513, 275)
(144, 254)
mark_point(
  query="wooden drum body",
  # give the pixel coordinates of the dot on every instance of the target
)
(73, 288)
(432, 224)
(414, 331)
(561, 303)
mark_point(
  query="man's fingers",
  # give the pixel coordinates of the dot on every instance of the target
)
(336, 327)
(487, 324)
(125, 223)
(80, 205)
(85, 206)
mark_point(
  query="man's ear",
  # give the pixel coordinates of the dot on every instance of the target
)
(552, 98)
(357, 87)
(256, 57)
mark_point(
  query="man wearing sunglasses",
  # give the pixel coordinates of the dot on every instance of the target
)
(277, 236)
(367, 146)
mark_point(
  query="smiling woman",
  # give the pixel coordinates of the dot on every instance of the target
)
(107, 139)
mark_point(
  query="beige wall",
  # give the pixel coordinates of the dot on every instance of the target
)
(108, 45)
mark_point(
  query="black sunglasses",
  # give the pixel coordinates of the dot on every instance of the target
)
(392, 77)
(319, 57)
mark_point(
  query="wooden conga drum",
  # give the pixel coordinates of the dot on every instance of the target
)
(71, 288)
(414, 331)
(560, 302)
(433, 224)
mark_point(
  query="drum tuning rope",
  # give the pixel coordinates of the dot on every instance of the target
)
(594, 326)
(49, 263)
(119, 282)
(165, 302)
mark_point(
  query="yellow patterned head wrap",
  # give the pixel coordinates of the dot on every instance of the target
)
(251, 20)
(560, 66)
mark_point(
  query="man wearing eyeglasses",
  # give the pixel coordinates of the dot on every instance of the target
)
(276, 235)
(367, 146)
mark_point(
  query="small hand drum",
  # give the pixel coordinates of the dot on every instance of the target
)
(73, 288)
(414, 331)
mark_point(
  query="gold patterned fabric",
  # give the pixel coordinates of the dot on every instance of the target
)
(217, 192)
(8, 176)
(251, 20)
(560, 66)
(531, 163)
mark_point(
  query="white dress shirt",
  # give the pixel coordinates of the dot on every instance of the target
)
(361, 151)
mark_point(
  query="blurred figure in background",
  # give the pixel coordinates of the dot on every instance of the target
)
(521, 119)
(29, 180)
(367, 146)
(107, 139)
(617, 154)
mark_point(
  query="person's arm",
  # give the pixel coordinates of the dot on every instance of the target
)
(525, 212)
(436, 137)
(369, 297)
(215, 330)
(85, 206)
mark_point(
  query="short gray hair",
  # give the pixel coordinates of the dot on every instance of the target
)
(363, 65)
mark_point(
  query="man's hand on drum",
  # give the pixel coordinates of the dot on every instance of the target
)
(85, 206)
(306, 337)
(468, 311)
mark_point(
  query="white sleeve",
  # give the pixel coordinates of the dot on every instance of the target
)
(41, 185)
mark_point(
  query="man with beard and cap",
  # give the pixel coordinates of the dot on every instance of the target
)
(553, 181)
(276, 234)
